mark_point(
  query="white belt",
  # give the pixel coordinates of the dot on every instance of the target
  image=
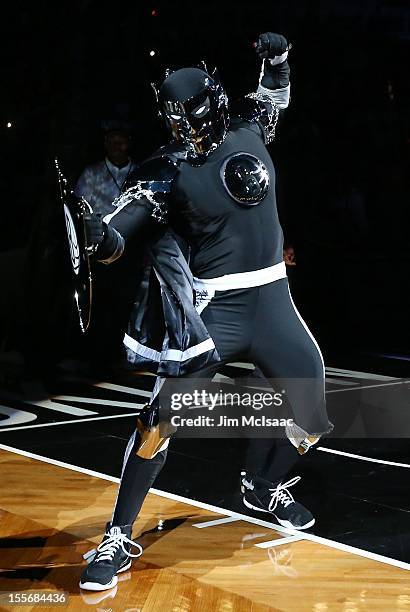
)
(205, 287)
(243, 280)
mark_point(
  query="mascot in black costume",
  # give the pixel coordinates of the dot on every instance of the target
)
(213, 185)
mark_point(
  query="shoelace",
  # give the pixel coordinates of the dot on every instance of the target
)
(282, 495)
(107, 549)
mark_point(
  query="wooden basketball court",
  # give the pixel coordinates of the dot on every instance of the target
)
(195, 559)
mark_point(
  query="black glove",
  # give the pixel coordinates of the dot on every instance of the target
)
(94, 230)
(270, 45)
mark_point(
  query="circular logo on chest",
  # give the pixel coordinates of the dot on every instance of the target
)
(245, 178)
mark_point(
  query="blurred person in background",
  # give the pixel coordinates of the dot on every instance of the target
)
(102, 182)
(113, 287)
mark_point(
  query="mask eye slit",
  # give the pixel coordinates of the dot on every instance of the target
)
(202, 109)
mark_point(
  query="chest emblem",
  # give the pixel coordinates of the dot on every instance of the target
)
(245, 178)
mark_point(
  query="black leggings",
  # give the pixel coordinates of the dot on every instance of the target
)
(260, 325)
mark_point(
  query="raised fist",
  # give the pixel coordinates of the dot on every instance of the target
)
(270, 45)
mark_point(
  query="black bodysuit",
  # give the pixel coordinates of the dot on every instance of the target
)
(226, 237)
(258, 324)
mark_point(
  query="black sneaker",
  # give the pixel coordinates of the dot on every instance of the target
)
(111, 557)
(261, 495)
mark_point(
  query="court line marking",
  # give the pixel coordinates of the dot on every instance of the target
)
(119, 416)
(329, 370)
(362, 457)
(220, 521)
(101, 418)
(58, 463)
(15, 417)
(341, 382)
(51, 405)
(399, 357)
(47, 403)
(280, 541)
(136, 391)
(400, 382)
(115, 479)
(226, 380)
(112, 386)
(357, 374)
(93, 400)
(185, 500)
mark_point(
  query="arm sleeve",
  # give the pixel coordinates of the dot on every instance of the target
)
(137, 211)
(274, 80)
(272, 95)
(142, 207)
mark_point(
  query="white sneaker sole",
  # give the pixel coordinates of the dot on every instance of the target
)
(96, 586)
(286, 524)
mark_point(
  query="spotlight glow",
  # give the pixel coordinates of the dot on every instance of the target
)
(152, 53)
(9, 124)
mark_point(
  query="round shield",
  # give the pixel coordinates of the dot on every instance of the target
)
(74, 211)
(245, 178)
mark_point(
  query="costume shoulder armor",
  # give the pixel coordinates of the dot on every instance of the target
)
(157, 173)
(151, 183)
(257, 110)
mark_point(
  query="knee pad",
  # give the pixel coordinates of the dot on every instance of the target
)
(153, 436)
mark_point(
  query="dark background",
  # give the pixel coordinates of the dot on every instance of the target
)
(342, 152)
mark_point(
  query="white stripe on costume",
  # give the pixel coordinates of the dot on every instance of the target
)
(309, 333)
(170, 354)
(242, 280)
(280, 96)
(139, 349)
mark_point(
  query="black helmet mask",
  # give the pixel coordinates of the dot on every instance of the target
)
(194, 106)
